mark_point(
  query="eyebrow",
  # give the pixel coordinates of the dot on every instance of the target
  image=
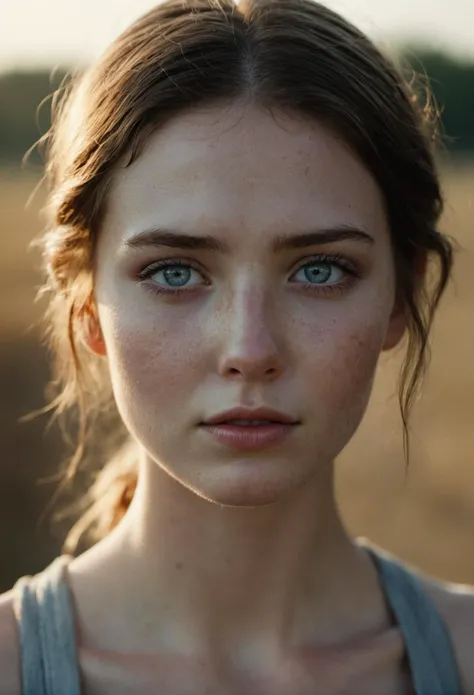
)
(164, 237)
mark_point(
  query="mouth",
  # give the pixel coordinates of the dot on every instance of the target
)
(249, 435)
(246, 417)
(246, 423)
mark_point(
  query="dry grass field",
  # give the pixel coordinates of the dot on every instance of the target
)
(424, 514)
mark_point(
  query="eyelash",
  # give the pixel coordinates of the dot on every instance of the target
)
(350, 269)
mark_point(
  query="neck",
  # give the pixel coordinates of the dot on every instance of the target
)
(263, 579)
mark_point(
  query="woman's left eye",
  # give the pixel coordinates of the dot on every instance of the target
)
(321, 273)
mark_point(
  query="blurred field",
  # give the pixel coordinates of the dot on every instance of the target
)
(426, 517)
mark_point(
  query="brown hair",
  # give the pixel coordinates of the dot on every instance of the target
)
(295, 55)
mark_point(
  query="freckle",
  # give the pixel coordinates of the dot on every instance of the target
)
(178, 565)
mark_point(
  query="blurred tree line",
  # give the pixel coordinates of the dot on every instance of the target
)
(25, 102)
(451, 83)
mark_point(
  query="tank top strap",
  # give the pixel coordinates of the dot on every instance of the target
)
(430, 653)
(44, 611)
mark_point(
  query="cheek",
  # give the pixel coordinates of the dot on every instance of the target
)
(355, 361)
(343, 376)
(149, 354)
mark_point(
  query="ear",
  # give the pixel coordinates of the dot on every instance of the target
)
(396, 327)
(90, 331)
(398, 322)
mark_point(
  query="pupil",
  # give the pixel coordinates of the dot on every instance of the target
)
(177, 276)
(318, 273)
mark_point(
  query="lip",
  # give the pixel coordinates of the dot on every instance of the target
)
(240, 413)
(249, 437)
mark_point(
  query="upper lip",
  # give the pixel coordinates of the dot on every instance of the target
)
(249, 414)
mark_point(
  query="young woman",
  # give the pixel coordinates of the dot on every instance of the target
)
(242, 216)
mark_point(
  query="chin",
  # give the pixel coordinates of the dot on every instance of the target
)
(245, 486)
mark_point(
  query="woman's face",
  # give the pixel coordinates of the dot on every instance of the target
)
(242, 321)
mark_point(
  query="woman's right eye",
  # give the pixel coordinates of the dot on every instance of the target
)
(171, 276)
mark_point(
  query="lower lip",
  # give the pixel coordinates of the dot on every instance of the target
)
(249, 437)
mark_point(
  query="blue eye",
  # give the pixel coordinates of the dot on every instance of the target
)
(175, 274)
(322, 272)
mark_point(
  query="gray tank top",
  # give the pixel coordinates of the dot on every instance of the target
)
(45, 614)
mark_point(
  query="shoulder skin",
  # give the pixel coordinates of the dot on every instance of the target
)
(10, 681)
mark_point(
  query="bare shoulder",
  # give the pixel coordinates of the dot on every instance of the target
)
(455, 602)
(10, 682)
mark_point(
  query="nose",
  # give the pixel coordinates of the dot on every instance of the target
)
(250, 348)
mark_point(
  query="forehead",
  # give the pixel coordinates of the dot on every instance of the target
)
(231, 166)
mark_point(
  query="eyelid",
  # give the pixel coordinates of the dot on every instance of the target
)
(338, 259)
(155, 266)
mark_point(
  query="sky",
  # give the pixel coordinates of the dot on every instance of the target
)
(64, 32)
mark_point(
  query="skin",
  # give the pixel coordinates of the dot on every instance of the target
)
(232, 572)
